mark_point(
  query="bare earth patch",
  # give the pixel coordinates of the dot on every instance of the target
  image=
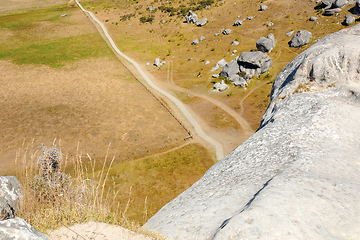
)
(98, 231)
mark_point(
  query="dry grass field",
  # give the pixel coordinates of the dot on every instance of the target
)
(59, 80)
(169, 38)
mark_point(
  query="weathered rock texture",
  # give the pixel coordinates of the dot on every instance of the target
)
(254, 63)
(301, 38)
(10, 197)
(298, 176)
(19, 229)
(266, 44)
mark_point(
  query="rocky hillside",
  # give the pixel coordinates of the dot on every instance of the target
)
(298, 176)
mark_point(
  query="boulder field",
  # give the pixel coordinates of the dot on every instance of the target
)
(298, 176)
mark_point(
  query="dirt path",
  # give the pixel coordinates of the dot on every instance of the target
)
(198, 129)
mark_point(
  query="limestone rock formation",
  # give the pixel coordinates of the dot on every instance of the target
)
(298, 176)
(266, 44)
(195, 42)
(17, 228)
(221, 86)
(230, 69)
(157, 62)
(312, 18)
(238, 23)
(226, 31)
(254, 63)
(202, 22)
(10, 197)
(349, 19)
(191, 17)
(263, 7)
(301, 38)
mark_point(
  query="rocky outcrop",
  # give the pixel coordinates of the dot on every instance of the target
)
(349, 19)
(221, 86)
(266, 44)
(298, 176)
(254, 63)
(19, 229)
(10, 226)
(191, 17)
(10, 197)
(301, 38)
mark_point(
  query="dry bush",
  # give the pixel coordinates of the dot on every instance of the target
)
(52, 198)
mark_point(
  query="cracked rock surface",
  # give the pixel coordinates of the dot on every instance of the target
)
(298, 176)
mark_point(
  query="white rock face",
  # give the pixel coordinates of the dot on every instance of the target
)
(298, 176)
(19, 229)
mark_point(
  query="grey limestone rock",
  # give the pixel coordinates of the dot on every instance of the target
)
(202, 22)
(289, 33)
(266, 44)
(312, 18)
(226, 31)
(195, 42)
(301, 38)
(238, 23)
(19, 229)
(151, 8)
(10, 197)
(300, 170)
(270, 24)
(234, 43)
(202, 38)
(241, 82)
(157, 62)
(349, 19)
(191, 17)
(339, 3)
(221, 63)
(254, 63)
(230, 69)
(220, 86)
(263, 7)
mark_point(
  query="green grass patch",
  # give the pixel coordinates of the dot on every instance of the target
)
(26, 47)
(149, 183)
(57, 52)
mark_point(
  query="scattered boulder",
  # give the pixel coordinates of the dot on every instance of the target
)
(339, 3)
(263, 7)
(230, 69)
(250, 18)
(270, 24)
(191, 17)
(220, 86)
(202, 38)
(157, 62)
(201, 23)
(226, 31)
(299, 170)
(312, 18)
(215, 75)
(254, 63)
(234, 51)
(289, 33)
(221, 63)
(333, 7)
(349, 19)
(151, 8)
(195, 42)
(207, 62)
(215, 68)
(240, 82)
(234, 43)
(10, 197)
(17, 228)
(301, 38)
(238, 23)
(266, 44)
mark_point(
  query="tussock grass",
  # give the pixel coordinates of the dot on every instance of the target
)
(52, 198)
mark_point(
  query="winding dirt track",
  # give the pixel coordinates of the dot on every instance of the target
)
(199, 131)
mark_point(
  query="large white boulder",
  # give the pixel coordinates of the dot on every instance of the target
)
(298, 176)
